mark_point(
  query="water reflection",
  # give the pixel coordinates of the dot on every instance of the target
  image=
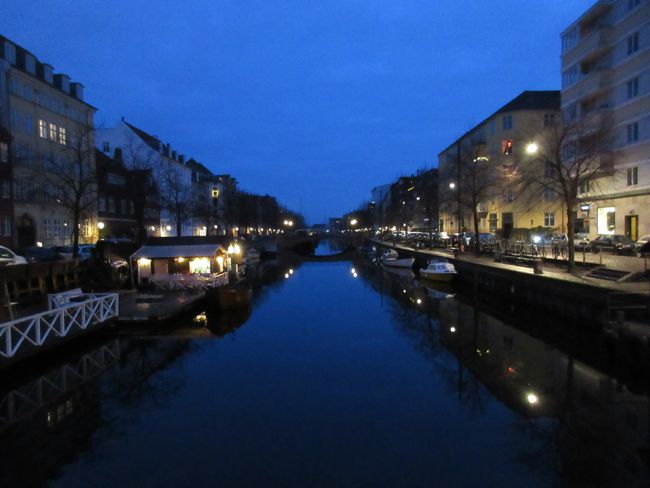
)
(585, 424)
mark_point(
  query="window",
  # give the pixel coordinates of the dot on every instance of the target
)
(28, 123)
(30, 64)
(123, 207)
(549, 120)
(632, 176)
(6, 189)
(6, 226)
(549, 219)
(549, 194)
(111, 204)
(584, 187)
(53, 131)
(131, 207)
(62, 136)
(549, 172)
(570, 76)
(10, 52)
(47, 227)
(106, 146)
(633, 43)
(633, 132)
(15, 119)
(14, 87)
(86, 228)
(56, 227)
(632, 4)
(102, 203)
(506, 122)
(493, 222)
(114, 179)
(506, 147)
(633, 87)
(215, 192)
(4, 152)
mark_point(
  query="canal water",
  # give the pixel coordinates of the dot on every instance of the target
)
(342, 374)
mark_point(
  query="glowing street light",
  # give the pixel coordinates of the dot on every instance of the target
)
(452, 185)
(353, 222)
(531, 148)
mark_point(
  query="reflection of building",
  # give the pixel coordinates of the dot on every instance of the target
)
(381, 198)
(498, 141)
(51, 126)
(606, 72)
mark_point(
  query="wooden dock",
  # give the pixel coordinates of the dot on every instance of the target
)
(156, 306)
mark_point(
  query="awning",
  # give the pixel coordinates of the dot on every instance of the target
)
(186, 251)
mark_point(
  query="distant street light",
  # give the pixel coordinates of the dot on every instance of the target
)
(531, 148)
(452, 185)
(353, 222)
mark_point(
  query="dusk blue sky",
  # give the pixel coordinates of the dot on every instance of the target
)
(314, 102)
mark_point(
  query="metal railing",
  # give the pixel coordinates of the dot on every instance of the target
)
(35, 330)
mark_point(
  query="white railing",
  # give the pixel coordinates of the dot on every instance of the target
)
(35, 330)
(24, 401)
(189, 282)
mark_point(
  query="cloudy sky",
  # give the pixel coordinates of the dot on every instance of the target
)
(315, 102)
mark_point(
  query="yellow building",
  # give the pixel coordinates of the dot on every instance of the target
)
(477, 172)
(49, 121)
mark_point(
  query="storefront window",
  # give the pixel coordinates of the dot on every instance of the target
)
(606, 220)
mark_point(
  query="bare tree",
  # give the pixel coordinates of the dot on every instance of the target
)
(176, 195)
(141, 159)
(70, 177)
(571, 156)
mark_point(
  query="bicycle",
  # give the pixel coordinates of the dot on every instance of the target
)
(558, 251)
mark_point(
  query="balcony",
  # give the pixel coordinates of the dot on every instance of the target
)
(590, 84)
(591, 45)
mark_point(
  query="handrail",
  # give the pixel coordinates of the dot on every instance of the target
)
(36, 329)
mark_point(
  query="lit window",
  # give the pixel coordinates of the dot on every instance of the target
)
(632, 176)
(633, 132)
(549, 219)
(215, 192)
(53, 131)
(633, 87)
(62, 136)
(633, 43)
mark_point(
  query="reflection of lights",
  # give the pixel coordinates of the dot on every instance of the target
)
(403, 291)
(418, 301)
(286, 275)
(291, 271)
(355, 275)
(452, 329)
(353, 270)
(532, 398)
(201, 319)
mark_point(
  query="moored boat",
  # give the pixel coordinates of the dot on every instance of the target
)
(439, 271)
(391, 258)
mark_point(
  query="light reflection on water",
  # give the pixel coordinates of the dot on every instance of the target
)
(361, 378)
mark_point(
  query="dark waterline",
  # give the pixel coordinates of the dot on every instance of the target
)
(336, 380)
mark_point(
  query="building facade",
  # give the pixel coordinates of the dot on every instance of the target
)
(51, 128)
(473, 176)
(606, 73)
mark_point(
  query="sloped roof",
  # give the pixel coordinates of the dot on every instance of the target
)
(527, 100)
(150, 140)
(172, 251)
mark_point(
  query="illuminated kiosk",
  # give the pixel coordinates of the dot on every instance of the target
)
(185, 263)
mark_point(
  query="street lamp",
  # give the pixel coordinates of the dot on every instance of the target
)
(100, 227)
(531, 148)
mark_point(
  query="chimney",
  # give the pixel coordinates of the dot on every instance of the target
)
(181, 158)
(174, 155)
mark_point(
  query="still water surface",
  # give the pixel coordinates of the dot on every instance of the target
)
(333, 380)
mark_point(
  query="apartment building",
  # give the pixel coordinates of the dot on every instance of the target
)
(472, 168)
(606, 73)
(51, 128)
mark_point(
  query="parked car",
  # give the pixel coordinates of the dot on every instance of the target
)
(581, 241)
(7, 257)
(643, 240)
(617, 243)
(86, 252)
(65, 251)
(40, 254)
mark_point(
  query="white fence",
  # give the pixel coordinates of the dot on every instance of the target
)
(189, 282)
(35, 330)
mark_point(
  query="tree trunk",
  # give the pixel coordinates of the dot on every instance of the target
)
(570, 237)
(75, 233)
(477, 248)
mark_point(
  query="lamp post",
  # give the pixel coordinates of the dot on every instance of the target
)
(100, 227)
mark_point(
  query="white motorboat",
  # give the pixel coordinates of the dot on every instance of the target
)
(439, 271)
(391, 258)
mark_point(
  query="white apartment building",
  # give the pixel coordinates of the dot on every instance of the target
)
(606, 72)
(144, 151)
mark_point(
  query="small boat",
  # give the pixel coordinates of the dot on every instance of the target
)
(252, 255)
(439, 271)
(391, 258)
